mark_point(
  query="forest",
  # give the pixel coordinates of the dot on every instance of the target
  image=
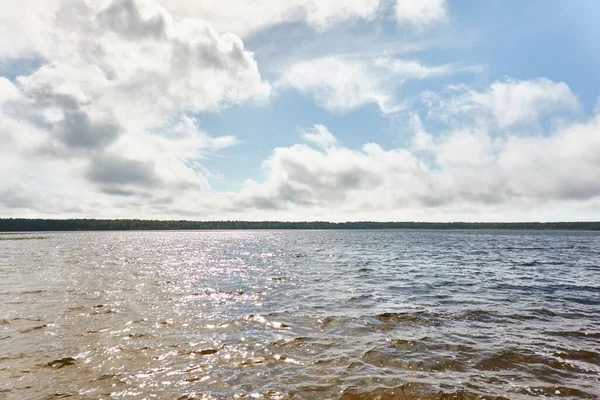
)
(38, 225)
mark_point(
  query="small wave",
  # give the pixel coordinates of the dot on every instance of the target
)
(578, 334)
(34, 328)
(479, 315)
(531, 263)
(205, 352)
(424, 344)
(58, 395)
(25, 292)
(412, 345)
(410, 391)
(386, 359)
(588, 301)
(544, 311)
(140, 335)
(60, 363)
(77, 308)
(290, 343)
(523, 360)
(413, 318)
(588, 356)
(552, 391)
(435, 319)
(105, 376)
(361, 297)
(510, 248)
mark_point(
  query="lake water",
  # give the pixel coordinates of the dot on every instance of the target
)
(301, 315)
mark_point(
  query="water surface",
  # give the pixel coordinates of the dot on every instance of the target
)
(301, 315)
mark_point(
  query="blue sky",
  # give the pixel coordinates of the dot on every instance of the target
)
(379, 109)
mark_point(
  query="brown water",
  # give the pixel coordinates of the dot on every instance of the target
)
(301, 315)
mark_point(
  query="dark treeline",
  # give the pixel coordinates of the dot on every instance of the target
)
(24, 225)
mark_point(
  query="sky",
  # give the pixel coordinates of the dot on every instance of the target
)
(334, 110)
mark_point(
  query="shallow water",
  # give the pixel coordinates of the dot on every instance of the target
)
(301, 315)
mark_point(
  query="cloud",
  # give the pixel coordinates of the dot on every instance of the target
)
(320, 136)
(508, 103)
(337, 84)
(113, 170)
(303, 176)
(341, 84)
(126, 19)
(411, 69)
(135, 54)
(69, 125)
(471, 169)
(106, 122)
(524, 101)
(113, 94)
(26, 26)
(564, 165)
(8, 91)
(247, 17)
(421, 13)
(15, 196)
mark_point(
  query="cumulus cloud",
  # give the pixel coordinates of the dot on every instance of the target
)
(524, 101)
(477, 164)
(112, 96)
(8, 91)
(320, 136)
(509, 102)
(110, 170)
(421, 13)
(247, 17)
(337, 84)
(513, 176)
(342, 84)
(15, 196)
(134, 54)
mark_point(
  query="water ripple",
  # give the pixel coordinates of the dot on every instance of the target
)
(301, 315)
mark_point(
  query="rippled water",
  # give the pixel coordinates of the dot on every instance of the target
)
(301, 314)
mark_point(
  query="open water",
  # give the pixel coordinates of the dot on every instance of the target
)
(301, 315)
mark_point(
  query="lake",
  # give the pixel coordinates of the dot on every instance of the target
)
(301, 315)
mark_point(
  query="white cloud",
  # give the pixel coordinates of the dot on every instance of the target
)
(342, 84)
(473, 175)
(244, 17)
(564, 165)
(411, 69)
(8, 91)
(422, 12)
(135, 54)
(422, 141)
(23, 25)
(337, 84)
(524, 101)
(320, 136)
(325, 14)
(509, 102)
(112, 94)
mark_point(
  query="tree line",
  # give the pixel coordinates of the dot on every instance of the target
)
(25, 224)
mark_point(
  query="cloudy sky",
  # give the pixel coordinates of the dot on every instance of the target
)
(428, 110)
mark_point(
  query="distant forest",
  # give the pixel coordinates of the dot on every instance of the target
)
(24, 225)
